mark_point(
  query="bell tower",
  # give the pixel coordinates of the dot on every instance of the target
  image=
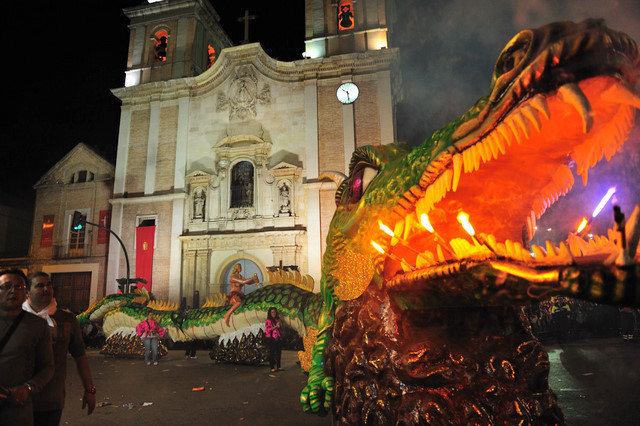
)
(336, 27)
(172, 39)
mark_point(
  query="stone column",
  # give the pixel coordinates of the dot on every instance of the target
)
(201, 273)
(188, 271)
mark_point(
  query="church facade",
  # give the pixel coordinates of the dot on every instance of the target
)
(221, 147)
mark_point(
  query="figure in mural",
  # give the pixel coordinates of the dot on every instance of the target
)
(285, 202)
(235, 296)
(198, 204)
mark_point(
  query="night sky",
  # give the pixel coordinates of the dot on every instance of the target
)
(62, 58)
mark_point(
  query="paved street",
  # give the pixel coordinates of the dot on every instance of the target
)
(232, 395)
(597, 383)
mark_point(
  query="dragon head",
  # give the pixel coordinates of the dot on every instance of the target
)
(562, 96)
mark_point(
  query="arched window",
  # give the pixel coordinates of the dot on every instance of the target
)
(160, 40)
(345, 15)
(242, 185)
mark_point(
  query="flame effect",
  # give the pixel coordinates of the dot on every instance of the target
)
(463, 218)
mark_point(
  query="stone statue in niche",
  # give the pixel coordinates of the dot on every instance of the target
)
(198, 204)
(285, 200)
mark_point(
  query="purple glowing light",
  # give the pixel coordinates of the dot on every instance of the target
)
(604, 201)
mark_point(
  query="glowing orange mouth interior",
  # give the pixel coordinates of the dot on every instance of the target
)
(506, 180)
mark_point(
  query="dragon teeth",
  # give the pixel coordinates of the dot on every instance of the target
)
(493, 145)
(539, 102)
(533, 221)
(529, 228)
(425, 259)
(410, 222)
(574, 96)
(519, 119)
(457, 170)
(397, 230)
(439, 253)
(539, 252)
(564, 253)
(475, 157)
(532, 115)
(511, 125)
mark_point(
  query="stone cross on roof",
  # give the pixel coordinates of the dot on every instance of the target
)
(246, 18)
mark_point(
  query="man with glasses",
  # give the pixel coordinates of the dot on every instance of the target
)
(26, 352)
(67, 337)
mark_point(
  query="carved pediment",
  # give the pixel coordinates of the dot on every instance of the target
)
(285, 169)
(199, 178)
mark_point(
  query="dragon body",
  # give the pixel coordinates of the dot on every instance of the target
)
(426, 327)
(120, 313)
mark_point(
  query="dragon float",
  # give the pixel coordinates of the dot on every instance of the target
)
(426, 325)
(240, 342)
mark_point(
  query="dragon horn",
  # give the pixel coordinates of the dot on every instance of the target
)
(337, 177)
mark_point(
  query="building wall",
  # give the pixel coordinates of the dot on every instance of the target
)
(58, 196)
(166, 151)
(137, 157)
(247, 107)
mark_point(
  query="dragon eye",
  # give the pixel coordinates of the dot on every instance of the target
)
(515, 52)
(360, 180)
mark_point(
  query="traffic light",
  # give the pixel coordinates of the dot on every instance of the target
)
(76, 222)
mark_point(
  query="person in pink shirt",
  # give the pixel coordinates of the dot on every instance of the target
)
(273, 327)
(150, 331)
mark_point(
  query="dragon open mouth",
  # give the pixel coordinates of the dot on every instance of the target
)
(512, 158)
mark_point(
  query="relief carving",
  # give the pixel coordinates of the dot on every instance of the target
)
(244, 93)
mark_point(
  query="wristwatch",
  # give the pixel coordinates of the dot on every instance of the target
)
(90, 390)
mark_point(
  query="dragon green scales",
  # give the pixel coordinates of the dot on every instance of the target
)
(427, 327)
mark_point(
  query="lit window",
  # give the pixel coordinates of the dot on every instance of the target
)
(211, 53)
(160, 43)
(345, 15)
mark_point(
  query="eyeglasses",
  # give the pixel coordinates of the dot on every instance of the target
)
(15, 287)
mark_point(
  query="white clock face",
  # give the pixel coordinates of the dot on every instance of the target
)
(347, 93)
